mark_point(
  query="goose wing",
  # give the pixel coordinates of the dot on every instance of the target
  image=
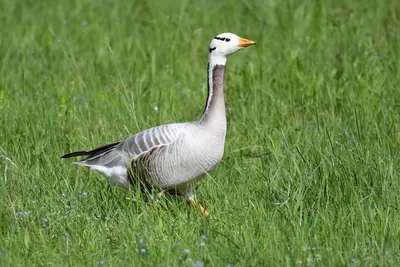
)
(150, 139)
(122, 153)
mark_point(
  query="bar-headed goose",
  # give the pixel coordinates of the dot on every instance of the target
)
(173, 157)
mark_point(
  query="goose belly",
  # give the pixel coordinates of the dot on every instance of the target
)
(185, 163)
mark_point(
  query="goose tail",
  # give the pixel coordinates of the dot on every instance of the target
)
(92, 154)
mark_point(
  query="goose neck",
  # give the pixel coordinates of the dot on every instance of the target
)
(214, 111)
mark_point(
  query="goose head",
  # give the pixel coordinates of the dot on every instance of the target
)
(225, 44)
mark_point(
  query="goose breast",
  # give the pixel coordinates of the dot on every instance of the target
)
(185, 154)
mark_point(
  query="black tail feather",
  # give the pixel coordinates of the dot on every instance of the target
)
(90, 153)
(76, 154)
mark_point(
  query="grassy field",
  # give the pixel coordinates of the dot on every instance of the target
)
(310, 174)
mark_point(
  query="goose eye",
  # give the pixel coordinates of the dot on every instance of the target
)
(227, 39)
(220, 38)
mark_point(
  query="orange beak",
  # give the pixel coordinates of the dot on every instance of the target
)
(244, 42)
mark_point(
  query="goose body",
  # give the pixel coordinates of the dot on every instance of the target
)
(168, 156)
(173, 156)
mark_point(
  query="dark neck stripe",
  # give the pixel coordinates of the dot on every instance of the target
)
(212, 83)
(212, 49)
(209, 87)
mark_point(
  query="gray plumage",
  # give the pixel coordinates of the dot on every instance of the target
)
(172, 156)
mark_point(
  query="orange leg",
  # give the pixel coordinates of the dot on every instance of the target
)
(194, 205)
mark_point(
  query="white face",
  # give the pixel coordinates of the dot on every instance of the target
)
(227, 43)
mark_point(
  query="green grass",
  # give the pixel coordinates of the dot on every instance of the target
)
(310, 174)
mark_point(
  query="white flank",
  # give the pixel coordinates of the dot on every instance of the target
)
(115, 175)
